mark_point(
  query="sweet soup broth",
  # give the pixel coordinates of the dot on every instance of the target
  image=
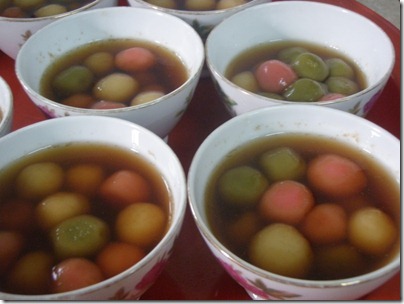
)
(113, 73)
(38, 8)
(31, 230)
(303, 72)
(197, 5)
(237, 225)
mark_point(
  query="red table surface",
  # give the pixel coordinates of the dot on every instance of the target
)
(192, 272)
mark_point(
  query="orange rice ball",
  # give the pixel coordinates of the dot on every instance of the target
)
(325, 224)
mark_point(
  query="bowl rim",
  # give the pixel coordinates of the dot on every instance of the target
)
(7, 112)
(191, 77)
(171, 232)
(57, 16)
(216, 74)
(203, 226)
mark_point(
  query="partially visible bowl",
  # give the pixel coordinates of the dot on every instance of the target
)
(115, 133)
(159, 115)
(202, 21)
(354, 36)
(15, 31)
(6, 108)
(300, 120)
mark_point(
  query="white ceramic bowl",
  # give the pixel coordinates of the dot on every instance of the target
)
(304, 119)
(160, 115)
(15, 31)
(202, 21)
(133, 282)
(6, 107)
(345, 31)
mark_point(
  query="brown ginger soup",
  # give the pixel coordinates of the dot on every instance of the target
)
(28, 223)
(236, 226)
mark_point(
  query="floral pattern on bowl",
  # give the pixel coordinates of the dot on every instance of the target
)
(257, 288)
(148, 279)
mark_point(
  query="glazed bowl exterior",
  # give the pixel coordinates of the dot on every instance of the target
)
(160, 115)
(6, 107)
(302, 119)
(202, 21)
(15, 31)
(339, 29)
(133, 282)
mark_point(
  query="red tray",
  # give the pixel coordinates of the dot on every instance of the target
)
(192, 273)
